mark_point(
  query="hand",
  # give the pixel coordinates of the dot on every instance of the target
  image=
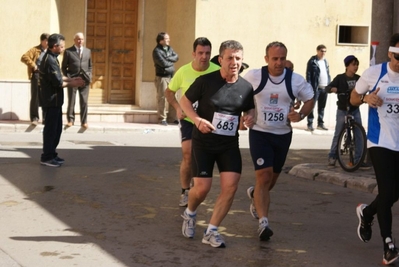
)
(294, 116)
(205, 126)
(373, 99)
(77, 82)
(180, 114)
(248, 121)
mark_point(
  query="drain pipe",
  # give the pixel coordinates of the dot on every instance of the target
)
(395, 25)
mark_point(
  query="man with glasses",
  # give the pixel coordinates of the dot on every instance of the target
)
(379, 88)
(318, 75)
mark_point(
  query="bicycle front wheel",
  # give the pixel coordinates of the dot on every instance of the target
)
(352, 147)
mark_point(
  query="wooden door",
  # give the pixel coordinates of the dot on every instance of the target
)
(112, 36)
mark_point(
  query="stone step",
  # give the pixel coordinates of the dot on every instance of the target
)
(117, 113)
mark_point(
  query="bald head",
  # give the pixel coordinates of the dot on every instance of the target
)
(79, 39)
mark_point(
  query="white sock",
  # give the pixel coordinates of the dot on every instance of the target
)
(211, 227)
(191, 213)
(264, 219)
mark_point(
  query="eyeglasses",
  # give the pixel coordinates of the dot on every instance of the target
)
(324, 51)
(396, 56)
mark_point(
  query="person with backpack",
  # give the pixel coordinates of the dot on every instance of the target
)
(275, 90)
(379, 88)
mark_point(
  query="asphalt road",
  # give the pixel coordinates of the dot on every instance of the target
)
(115, 203)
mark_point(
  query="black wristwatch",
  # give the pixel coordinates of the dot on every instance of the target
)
(362, 99)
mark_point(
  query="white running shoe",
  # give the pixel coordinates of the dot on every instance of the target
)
(188, 228)
(214, 239)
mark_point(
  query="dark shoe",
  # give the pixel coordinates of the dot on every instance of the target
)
(59, 160)
(390, 252)
(310, 128)
(164, 123)
(51, 163)
(364, 230)
(322, 127)
(264, 231)
(365, 166)
(331, 162)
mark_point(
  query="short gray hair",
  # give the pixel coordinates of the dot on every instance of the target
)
(229, 44)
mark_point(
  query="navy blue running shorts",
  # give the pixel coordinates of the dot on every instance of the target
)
(186, 130)
(269, 150)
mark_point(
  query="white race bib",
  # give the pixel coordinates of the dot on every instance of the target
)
(274, 115)
(225, 124)
(390, 108)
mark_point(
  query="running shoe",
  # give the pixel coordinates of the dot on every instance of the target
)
(390, 253)
(214, 239)
(264, 231)
(188, 228)
(51, 163)
(252, 209)
(184, 199)
(59, 160)
(332, 161)
(364, 230)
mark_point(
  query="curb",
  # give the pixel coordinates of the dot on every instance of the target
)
(363, 181)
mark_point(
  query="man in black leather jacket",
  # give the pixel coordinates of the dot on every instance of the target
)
(164, 57)
(51, 84)
(318, 75)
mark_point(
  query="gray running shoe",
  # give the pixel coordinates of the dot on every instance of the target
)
(252, 209)
(188, 228)
(264, 231)
(214, 239)
(184, 199)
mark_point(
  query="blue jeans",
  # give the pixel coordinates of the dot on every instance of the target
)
(339, 125)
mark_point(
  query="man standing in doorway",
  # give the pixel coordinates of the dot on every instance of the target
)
(164, 57)
(318, 75)
(77, 62)
(32, 59)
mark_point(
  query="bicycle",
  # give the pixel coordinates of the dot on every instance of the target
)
(352, 144)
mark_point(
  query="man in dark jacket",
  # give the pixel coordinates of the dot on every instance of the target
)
(52, 97)
(318, 75)
(164, 57)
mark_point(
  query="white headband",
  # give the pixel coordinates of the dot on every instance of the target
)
(394, 49)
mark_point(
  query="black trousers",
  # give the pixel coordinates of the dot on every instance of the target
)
(34, 98)
(51, 132)
(386, 167)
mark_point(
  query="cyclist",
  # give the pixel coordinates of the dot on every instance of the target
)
(342, 85)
